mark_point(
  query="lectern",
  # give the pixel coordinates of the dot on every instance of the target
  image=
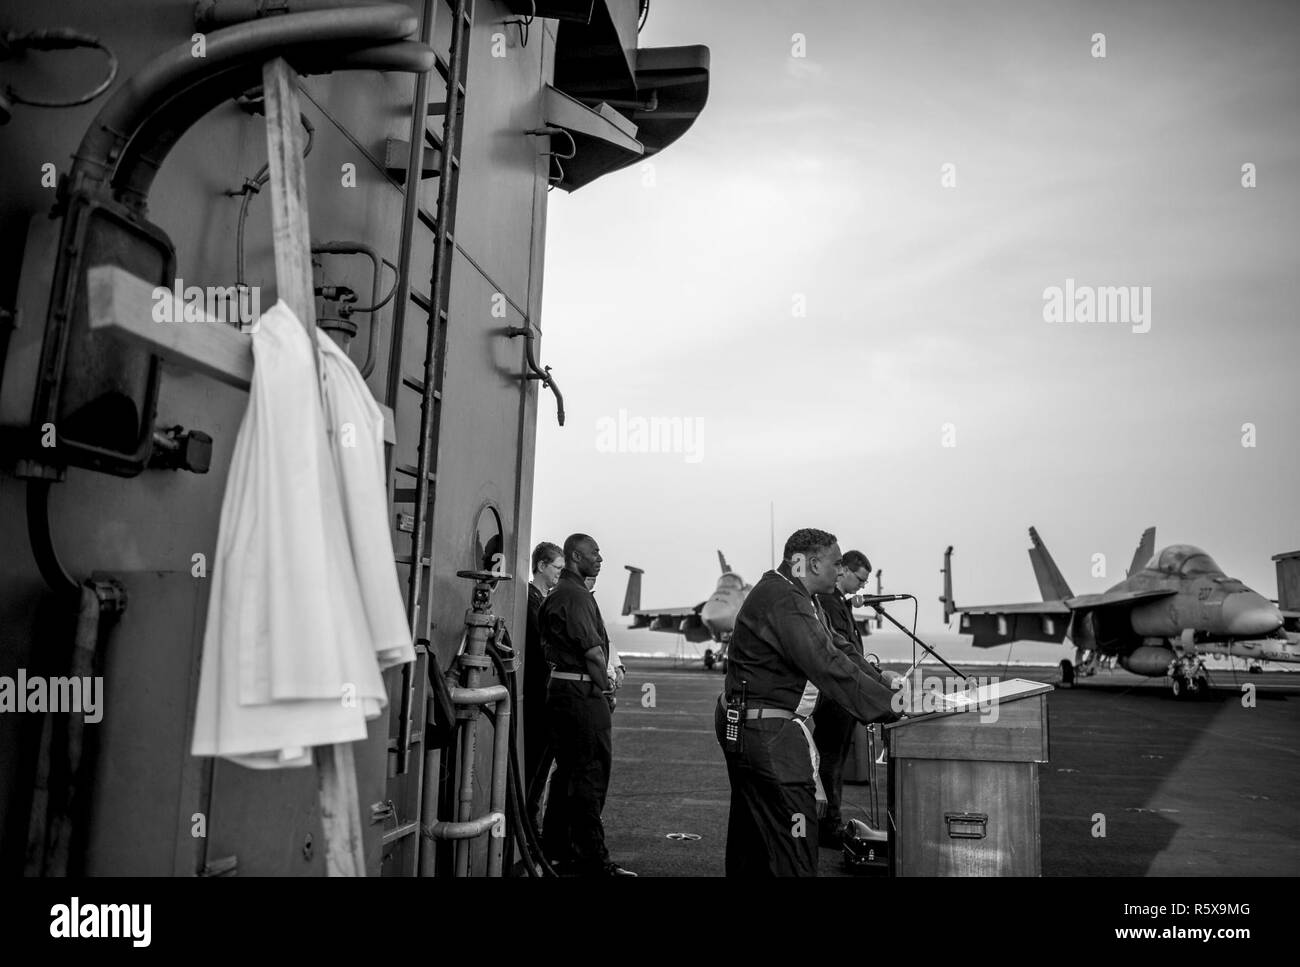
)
(963, 782)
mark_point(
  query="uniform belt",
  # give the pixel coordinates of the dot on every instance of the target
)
(570, 676)
(771, 713)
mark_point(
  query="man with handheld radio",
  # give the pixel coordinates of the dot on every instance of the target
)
(780, 644)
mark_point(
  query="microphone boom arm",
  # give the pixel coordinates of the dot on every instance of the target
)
(892, 620)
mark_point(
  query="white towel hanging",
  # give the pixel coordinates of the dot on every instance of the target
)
(302, 611)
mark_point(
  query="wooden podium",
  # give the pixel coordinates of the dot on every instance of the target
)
(963, 782)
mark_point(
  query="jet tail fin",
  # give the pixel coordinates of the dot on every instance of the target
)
(1145, 549)
(632, 598)
(1050, 580)
(723, 561)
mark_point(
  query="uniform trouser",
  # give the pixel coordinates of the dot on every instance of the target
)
(772, 825)
(833, 733)
(578, 716)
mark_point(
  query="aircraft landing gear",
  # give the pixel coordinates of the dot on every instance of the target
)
(719, 657)
(1187, 679)
(1067, 673)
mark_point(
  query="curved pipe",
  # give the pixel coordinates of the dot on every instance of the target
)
(156, 137)
(361, 248)
(538, 372)
(215, 14)
(96, 158)
(468, 829)
(38, 532)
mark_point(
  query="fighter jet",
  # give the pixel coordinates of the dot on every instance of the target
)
(1171, 610)
(713, 619)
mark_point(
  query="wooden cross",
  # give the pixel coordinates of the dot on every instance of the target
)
(336, 770)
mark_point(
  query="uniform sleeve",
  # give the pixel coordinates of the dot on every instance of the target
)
(809, 647)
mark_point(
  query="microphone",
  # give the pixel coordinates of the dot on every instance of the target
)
(863, 600)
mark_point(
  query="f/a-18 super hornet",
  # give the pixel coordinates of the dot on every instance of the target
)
(713, 619)
(1172, 609)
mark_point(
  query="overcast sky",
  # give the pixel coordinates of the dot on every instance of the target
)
(817, 181)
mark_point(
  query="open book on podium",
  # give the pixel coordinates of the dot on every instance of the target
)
(963, 781)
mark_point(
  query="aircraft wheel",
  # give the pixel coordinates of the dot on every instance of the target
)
(1197, 687)
(708, 658)
(1067, 673)
(1178, 687)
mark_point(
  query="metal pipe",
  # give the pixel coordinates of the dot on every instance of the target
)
(463, 832)
(361, 248)
(154, 85)
(426, 864)
(465, 811)
(215, 14)
(487, 694)
(158, 134)
(500, 770)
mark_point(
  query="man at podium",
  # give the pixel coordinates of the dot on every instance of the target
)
(779, 645)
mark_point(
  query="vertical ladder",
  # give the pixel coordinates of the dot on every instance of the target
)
(415, 485)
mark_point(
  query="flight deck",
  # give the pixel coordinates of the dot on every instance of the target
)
(1199, 788)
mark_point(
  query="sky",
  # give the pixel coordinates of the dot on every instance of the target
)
(836, 278)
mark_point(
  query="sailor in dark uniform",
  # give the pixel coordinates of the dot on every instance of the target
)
(579, 701)
(548, 562)
(832, 725)
(780, 644)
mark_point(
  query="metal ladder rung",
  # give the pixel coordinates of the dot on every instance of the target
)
(445, 70)
(425, 303)
(406, 559)
(412, 471)
(434, 140)
(418, 385)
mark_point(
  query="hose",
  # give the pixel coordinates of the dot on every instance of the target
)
(251, 187)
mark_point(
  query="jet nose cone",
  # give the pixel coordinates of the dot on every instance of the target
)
(1247, 614)
(717, 615)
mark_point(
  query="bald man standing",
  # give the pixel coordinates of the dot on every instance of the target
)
(579, 701)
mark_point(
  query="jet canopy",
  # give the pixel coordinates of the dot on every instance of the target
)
(731, 581)
(1184, 559)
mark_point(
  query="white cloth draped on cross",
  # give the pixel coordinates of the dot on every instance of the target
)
(305, 609)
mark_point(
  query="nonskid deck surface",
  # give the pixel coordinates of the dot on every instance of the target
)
(1202, 788)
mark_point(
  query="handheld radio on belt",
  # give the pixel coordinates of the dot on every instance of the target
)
(735, 720)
